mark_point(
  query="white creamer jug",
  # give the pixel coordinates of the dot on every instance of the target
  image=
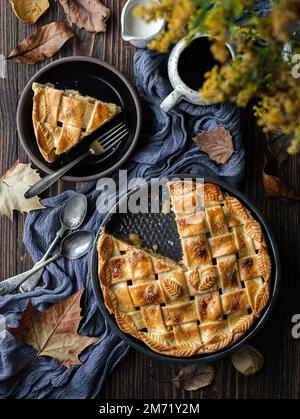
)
(136, 30)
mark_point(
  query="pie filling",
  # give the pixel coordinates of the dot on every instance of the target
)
(204, 304)
(61, 119)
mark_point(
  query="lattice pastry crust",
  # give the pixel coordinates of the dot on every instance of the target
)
(61, 119)
(204, 304)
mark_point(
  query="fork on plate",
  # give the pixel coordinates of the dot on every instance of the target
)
(101, 145)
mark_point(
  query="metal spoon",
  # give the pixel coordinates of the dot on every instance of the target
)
(71, 217)
(74, 246)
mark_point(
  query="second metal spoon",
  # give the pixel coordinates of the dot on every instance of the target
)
(74, 246)
(72, 215)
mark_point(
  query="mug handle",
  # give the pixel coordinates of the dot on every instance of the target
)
(170, 101)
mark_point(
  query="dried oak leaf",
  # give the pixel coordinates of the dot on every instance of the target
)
(29, 11)
(13, 185)
(217, 143)
(53, 332)
(275, 188)
(90, 15)
(42, 44)
(194, 376)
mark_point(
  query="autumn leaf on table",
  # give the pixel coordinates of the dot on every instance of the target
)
(90, 15)
(217, 143)
(29, 11)
(276, 188)
(278, 145)
(194, 376)
(42, 44)
(247, 360)
(13, 185)
(53, 332)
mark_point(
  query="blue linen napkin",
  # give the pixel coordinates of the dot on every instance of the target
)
(167, 149)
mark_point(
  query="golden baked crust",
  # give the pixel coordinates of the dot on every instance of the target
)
(61, 119)
(200, 306)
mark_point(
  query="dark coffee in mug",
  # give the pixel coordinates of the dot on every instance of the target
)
(195, 60)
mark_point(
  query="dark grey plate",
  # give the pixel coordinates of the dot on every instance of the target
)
(91, 77)
(161, 228)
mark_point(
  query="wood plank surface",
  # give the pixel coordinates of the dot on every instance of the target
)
(139, 376)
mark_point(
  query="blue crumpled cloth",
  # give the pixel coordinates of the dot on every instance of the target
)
(167, 149)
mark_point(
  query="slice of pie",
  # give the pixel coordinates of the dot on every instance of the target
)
(204, 304)
(61, 119)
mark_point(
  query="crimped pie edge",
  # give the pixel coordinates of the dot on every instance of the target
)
(218, 341)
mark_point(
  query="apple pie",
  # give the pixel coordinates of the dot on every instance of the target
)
(61, 119)
(203, 304)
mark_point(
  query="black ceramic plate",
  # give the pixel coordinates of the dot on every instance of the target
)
(94, 78)
(161, 229)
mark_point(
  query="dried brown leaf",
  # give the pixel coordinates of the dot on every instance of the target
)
(29, 11)
(42, 44)
(194, 376)
(90, 15)
(13, 185)
(185, 372)
(278, 144)
(247, 360)
(53, 332)
(275, 188)
(216, 143)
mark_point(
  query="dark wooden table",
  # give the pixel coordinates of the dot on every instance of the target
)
(139, 376)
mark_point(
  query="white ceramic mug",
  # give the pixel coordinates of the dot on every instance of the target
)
(181, 90)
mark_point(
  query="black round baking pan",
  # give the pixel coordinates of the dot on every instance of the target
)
(159, 228)
(94, 78)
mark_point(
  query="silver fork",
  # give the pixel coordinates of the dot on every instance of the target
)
(99, 146)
